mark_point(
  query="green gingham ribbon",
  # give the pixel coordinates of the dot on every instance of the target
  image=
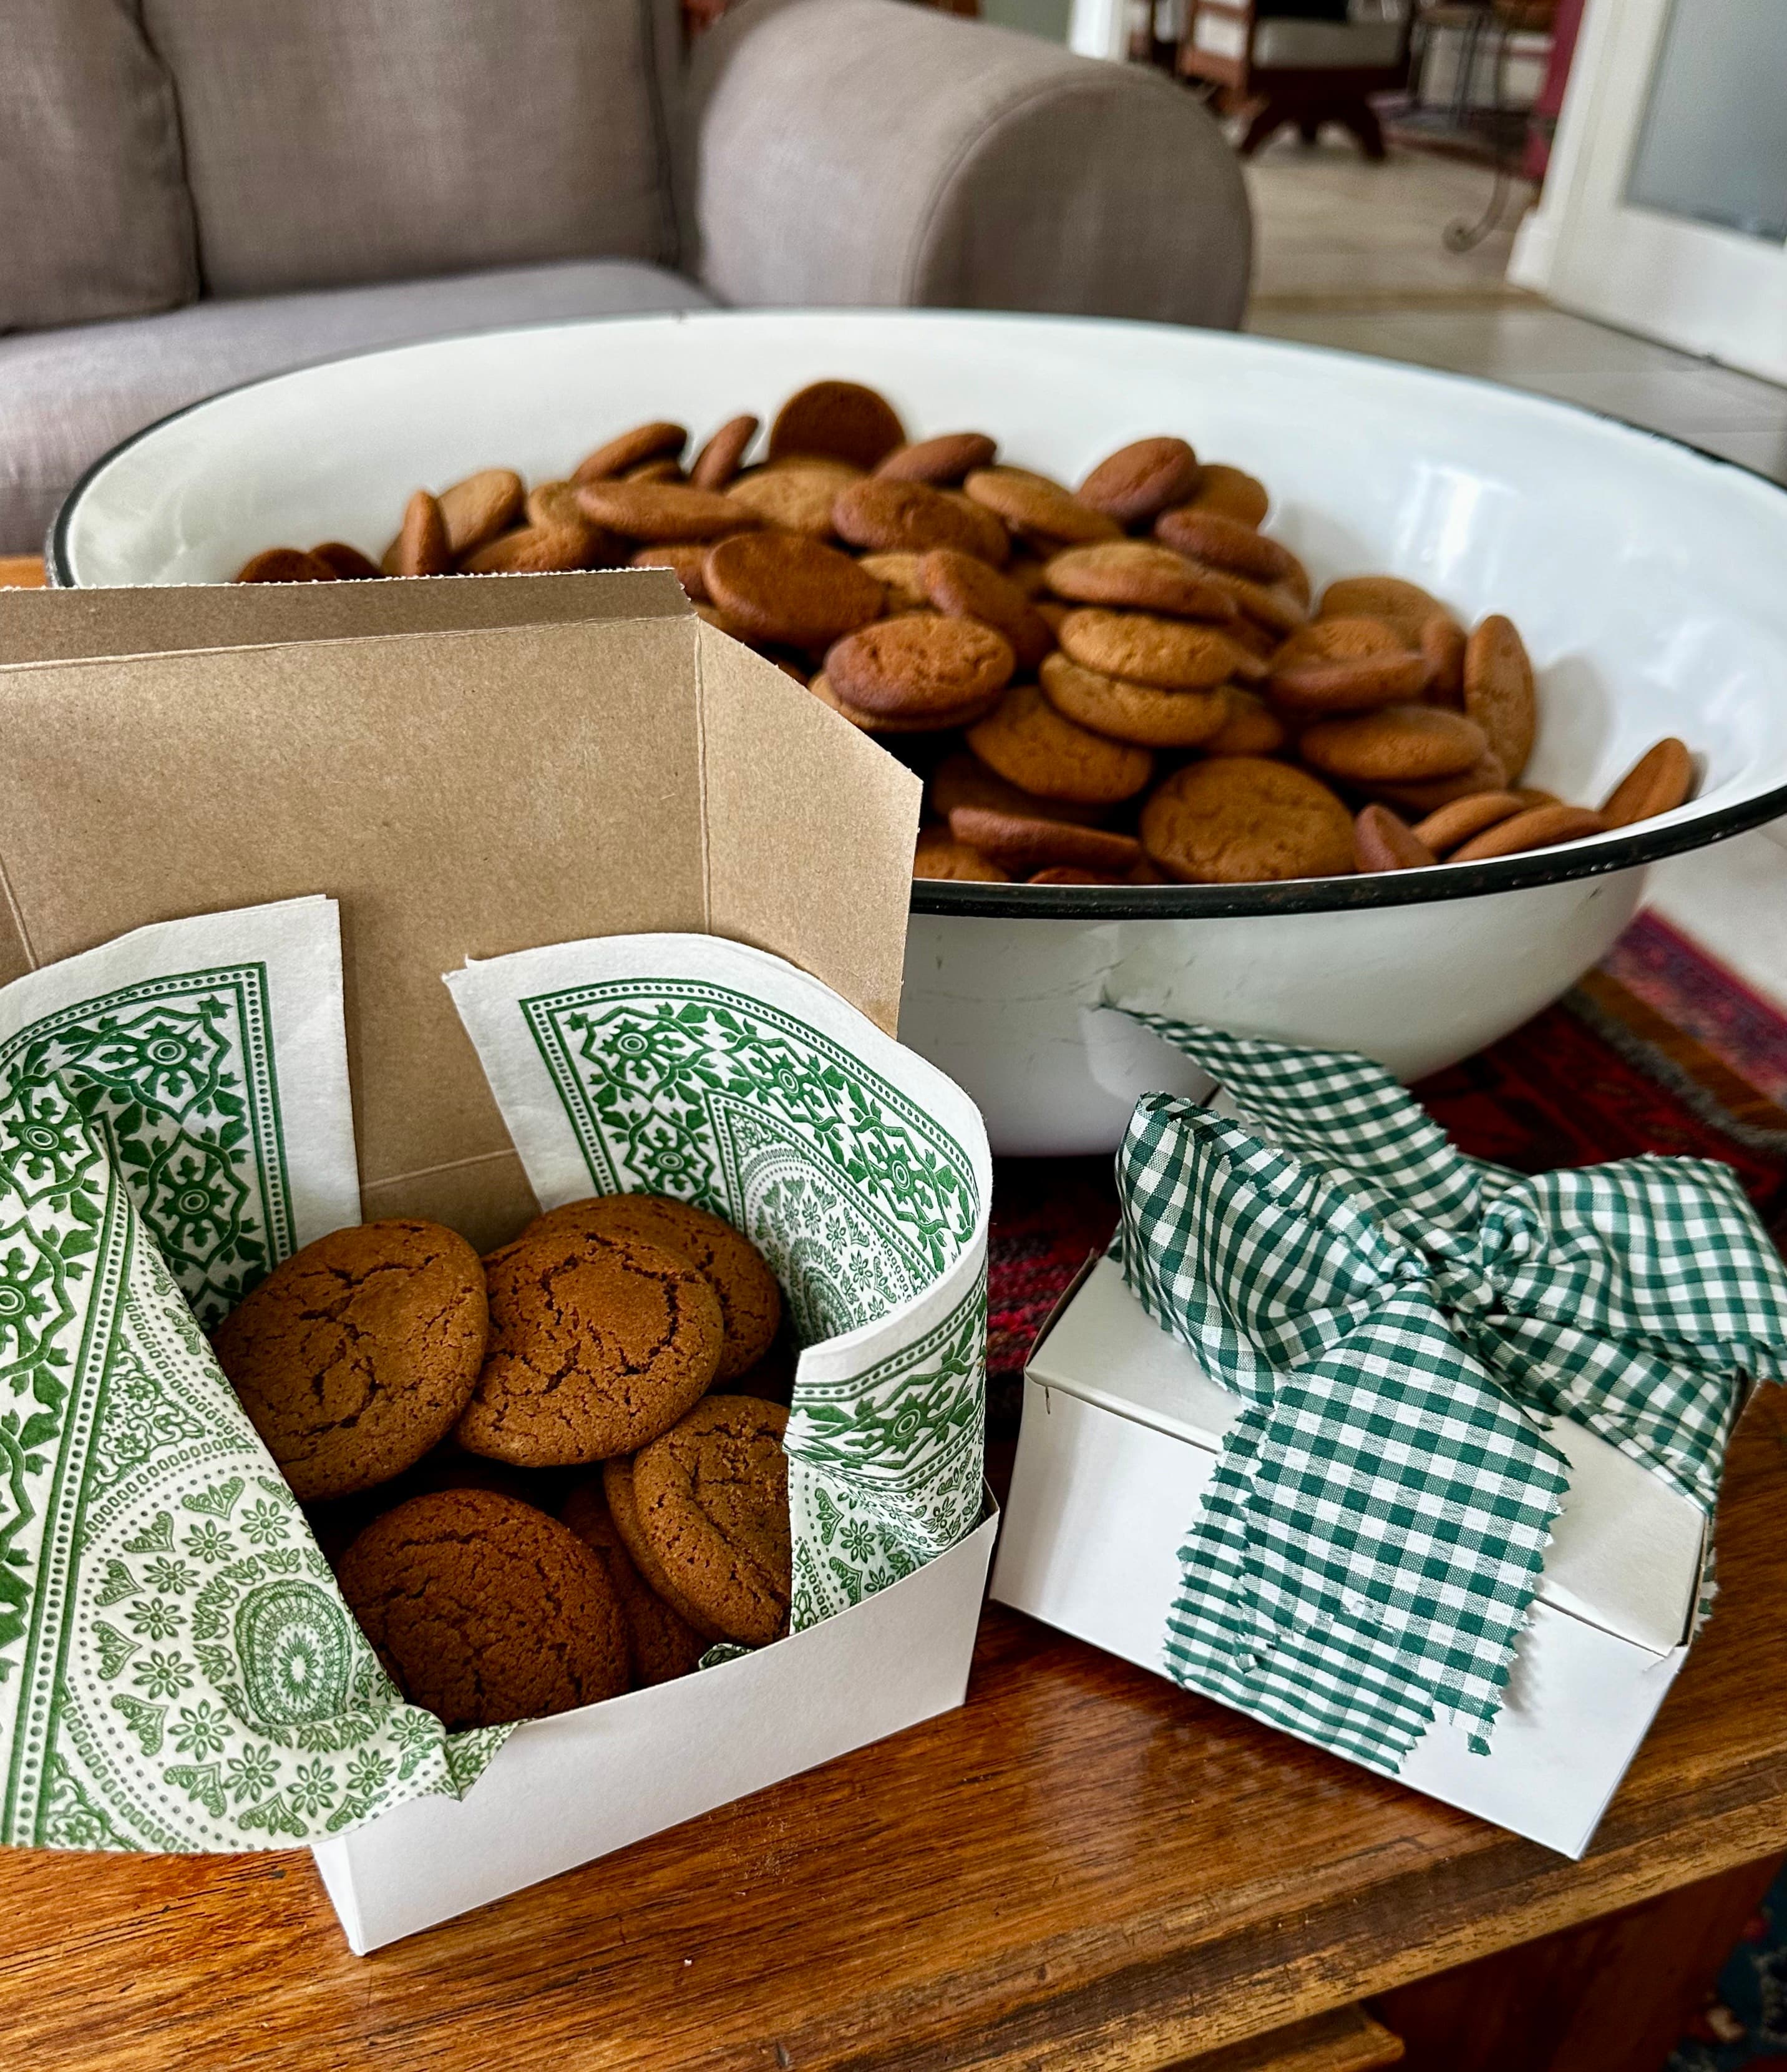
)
(1404, 1322)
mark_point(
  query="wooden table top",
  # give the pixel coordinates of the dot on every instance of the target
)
(1085, 1866)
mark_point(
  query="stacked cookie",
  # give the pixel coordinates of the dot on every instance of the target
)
(1122, 683)
(388, 1367)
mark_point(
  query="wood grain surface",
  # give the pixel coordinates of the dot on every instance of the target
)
(1349, 2040)
(21, 572)
(1085, 1867)
(1615, 1995)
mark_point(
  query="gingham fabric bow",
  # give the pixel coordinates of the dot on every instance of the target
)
(1405, 1322)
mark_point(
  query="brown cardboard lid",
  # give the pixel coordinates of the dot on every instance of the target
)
(471, 765)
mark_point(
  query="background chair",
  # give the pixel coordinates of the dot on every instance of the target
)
(194, 193)
(1302, 68)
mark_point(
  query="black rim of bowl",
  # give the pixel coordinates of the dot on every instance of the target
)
(1646, 842)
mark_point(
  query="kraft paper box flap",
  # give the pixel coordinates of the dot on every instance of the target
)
(1626, 1551)
(471, 766)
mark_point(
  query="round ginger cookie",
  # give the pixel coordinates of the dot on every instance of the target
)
(485, 1610)
(918, 722)
(1487, 774)
(1499, 693)
(1142, 576)
(1025, 845)
(688, 561)
(1394, 745)
(1380, 841)
(1232, 491)
(1029, 743)
(898, 575)
(942, 461)
(597, 1345)
(1168, 653)
(1440, 639)
(719, 460)
(533, 550)
(1137, 712)
(750, 1297)
(908, 517)
(1035, 506)
(659, 440)
(282, 565)
(961, 585)
(919, 666)
(711, 1497)
(421, 547)
(1446, 828)
(1346, 665)
(937, 853)
(784, 586)
(1241, 820)
(842, 420)
(1223, 542)
(664, 1645)
(660, 512)
(1276, 607)
(1139, 481)
(348, 563)
(1251, 728)
(1658, 782)
(1397, 602)
(1538, 827)
(963, 779)
(794, 496)
(357, 1355)
(476, 510)
(617, 1486)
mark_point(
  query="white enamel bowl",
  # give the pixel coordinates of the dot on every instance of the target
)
(1649, 581)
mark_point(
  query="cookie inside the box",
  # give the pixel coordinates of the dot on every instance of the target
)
(543, 1477)
(1137, 647)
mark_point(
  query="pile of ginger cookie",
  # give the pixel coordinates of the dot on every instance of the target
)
(1129, 682)
(545, 1477)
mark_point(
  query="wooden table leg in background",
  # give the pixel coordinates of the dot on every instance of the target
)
(1614, 1995)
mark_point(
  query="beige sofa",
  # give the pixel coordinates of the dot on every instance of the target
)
(197, 192)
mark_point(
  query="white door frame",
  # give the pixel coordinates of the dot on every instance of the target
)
(1705, 290)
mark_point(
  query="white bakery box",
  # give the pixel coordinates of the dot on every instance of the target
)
(562, 1791)
(1120, 1435)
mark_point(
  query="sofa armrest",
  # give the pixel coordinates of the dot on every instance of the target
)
(872, 152)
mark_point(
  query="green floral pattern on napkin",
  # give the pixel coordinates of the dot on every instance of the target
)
(178, 1671)
(860, 1200)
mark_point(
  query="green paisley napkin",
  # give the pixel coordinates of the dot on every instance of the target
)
(178, 1671)
(689, 1065)
(1404, 1322)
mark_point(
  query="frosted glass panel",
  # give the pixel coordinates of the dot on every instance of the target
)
(1714, 143)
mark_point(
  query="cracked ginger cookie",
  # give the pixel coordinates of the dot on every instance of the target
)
(711, 1501)
(1239, 820)
(597, 1345)
(355, 1356)
(484, 1609)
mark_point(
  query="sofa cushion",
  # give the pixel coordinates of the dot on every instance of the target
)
(94, 217)
(66, 396)
(333, 142)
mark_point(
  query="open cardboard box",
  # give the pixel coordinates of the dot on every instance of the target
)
(474, 767)
(1120, 1435)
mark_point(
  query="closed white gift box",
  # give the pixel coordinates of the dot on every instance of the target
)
(1120, 1435)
